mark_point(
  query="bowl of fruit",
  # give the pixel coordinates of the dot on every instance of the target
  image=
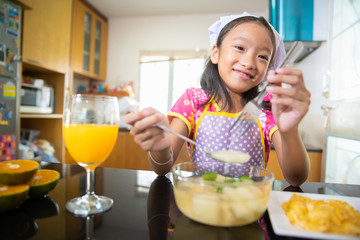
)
(221, 194)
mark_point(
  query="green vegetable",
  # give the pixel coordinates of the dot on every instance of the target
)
(219, 189)
(210, 176)
(245, 179)
(229, 180)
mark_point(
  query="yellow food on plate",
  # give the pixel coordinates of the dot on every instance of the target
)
(333, 216)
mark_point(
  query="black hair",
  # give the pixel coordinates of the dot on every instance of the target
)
(213, 84)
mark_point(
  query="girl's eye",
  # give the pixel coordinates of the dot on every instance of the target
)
(239, 48)
(264, 57)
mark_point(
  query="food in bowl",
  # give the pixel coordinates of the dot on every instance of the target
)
(227, 194)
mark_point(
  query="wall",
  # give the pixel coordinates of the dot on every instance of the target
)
(314, 68)
(128, 36)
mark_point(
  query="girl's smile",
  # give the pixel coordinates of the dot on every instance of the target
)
(244, 74)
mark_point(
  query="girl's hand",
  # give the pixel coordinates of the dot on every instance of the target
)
(289, 104)
(146, 135)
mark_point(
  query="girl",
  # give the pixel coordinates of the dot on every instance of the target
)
(245, 48)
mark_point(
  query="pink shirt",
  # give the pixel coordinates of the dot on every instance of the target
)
(187, 109)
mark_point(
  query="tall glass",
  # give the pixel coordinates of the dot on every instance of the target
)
(90, 129)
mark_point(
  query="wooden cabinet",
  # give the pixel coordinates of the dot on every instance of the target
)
(49, 125)
(53, 49)
(46, 55)
(128, 155)
(315, 166)
(88, 42)
(46, 34)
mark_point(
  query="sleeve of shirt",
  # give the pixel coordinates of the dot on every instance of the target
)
(268, 122)
(184, 109)
(269, 127)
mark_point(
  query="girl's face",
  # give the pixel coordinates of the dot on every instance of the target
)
(244, 56)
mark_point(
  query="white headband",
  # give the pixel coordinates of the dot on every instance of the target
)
(215, 29)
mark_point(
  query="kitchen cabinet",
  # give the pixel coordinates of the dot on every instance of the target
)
(88, 42)
(128, 155)
(315, 166)
(46, 55)
(46, 34)
(24, 4)
(49, 125)
(53, 50)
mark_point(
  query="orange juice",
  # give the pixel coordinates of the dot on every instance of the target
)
(90, 144)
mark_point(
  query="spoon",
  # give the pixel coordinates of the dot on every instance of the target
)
(223, 155)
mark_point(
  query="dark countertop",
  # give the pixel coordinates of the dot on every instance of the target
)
(124, 129)
(144, 208)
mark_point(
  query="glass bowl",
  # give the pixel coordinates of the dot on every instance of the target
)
(238, 196)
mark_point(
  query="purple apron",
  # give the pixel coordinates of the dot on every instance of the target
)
(213, 133)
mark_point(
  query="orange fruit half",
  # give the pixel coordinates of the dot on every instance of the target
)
(43, 182)
(12, 196)
(17, 171)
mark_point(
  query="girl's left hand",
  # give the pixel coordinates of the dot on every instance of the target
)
(289, 104)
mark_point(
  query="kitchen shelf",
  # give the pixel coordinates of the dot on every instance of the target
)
(49, 125)
(43, 116)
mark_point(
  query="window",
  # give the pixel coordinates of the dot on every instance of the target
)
(163, 79)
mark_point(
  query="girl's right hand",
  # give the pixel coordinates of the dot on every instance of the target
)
(146, 135)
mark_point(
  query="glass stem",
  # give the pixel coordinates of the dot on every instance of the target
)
(90, 177)
(90, 228)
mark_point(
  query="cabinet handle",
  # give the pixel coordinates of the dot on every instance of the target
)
(34, 61)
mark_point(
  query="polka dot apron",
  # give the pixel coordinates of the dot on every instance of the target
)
(213, 133)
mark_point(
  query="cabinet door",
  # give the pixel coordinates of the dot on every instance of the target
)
(88, 42)
(46, 34)
(315, 166)
(100, 48)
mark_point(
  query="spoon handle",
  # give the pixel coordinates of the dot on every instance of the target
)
(179, 135)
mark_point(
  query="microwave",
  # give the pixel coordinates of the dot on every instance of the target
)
(37, 99)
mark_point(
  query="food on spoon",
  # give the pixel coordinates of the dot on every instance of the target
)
(12, 196)
(333, 216)
(17, 171)
(43, 182)
(231, 156)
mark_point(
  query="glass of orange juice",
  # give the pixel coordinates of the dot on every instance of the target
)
(90, 129)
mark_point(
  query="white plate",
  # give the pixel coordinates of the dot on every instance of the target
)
(282, 226)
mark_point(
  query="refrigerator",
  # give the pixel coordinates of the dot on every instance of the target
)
(10, 81)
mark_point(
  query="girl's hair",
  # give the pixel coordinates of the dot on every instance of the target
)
(213, 84)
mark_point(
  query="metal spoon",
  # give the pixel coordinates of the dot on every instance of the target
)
(223, 156)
